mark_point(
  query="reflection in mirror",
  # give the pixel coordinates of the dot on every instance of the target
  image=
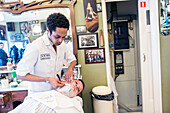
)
(16, 31)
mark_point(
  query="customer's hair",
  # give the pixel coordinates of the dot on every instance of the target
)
(57, 20)
(82, 83)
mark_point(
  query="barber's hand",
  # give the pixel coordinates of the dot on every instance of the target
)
(69, 75)
(55, 82)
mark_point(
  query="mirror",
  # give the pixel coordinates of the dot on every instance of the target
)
(17, 30)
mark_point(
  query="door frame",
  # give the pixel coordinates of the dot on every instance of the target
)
(149, 36)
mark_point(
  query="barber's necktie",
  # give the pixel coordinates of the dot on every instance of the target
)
(54, 46)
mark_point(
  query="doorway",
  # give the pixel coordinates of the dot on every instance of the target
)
(150, 66)
(124, 53)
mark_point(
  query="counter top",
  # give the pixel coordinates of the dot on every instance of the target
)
(22, 86)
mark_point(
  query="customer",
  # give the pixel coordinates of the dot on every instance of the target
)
(53, 101)
(3, 55)
(43, 58)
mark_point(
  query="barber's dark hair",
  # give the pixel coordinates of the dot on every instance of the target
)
(57, 20)
(82, 83)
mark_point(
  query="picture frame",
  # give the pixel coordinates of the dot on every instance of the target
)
(3, 32)
(99, 7)
(10, 1)
(23, 27)
(87, 41)
(96, 55)
(81, 29)
(43, 27)
(12, 37)
(36, 30)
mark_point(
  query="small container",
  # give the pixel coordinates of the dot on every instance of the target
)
(4, 83)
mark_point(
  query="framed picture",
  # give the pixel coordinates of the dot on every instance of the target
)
(10, 1)
(99, 7)
(36, 30)
(81, 29)
(3, 32)
(17, 36)
(12, 37)
(89, 40)
(164, 17)
(43, 27)
(23, 27)
(94, 55)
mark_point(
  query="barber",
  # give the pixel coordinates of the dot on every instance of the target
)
(43, 58)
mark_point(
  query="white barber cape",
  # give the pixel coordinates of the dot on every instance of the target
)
(41, 59)
(50, 102)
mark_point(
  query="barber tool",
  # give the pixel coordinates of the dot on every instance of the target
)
(59, 77)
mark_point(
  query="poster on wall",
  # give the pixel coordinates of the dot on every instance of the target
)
(23, 27)
(165, 17)
(91, 17)
(3, 32)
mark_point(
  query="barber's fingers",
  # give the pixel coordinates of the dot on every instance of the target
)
(59, 83)
(55, 82)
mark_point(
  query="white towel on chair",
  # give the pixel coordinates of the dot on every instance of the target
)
(59, 102)
(50, 101)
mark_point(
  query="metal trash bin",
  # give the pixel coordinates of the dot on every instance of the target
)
(102, 99)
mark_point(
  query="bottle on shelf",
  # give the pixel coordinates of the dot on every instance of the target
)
(9, 65)
(14, 76)
(13, 62)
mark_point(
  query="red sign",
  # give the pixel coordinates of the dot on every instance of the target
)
(143, 4)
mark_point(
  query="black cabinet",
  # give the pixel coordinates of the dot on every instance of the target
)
(120, 31)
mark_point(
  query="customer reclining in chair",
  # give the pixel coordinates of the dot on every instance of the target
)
(61, 100)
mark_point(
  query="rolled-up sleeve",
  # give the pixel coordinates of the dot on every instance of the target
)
(69, 56)
(26, 64)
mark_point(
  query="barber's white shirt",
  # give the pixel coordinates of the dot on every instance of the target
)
(41, 59)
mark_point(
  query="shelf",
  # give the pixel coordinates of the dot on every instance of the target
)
(75, 66)
(5, 71)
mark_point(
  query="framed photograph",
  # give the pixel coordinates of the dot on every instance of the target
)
(36, 30)
(3, 32)
(87, 41)
(10, 1)
(81, 29)
(17, 36)
(164, 17)
(23, 27)
(99, 7)
(94, 55)
(12, 37)
(43, 27)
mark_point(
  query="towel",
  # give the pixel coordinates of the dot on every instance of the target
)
(50, 102)
(59, 102)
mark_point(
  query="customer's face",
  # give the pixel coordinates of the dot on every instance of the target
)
(78, 86)
(58, 35)
(71, 89)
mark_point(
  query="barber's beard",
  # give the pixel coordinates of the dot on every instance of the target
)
(67, 91)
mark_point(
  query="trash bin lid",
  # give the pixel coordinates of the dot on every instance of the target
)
(101, 90)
